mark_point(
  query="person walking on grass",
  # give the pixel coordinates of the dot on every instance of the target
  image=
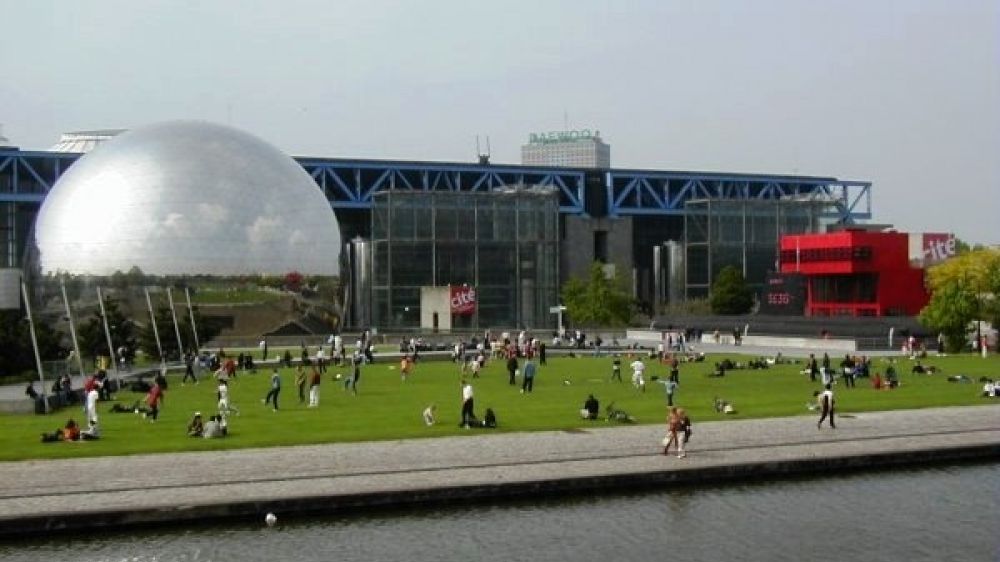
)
(638, 382)
(154, 399)
(225, 406)
(512, 369)
(616, 368)
(189, 368)
(272, 395)
(528, 375)
(300, 381)
(669, 386)
(314, 380)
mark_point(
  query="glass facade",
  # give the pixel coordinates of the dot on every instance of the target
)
(502, 243)
(744, 234)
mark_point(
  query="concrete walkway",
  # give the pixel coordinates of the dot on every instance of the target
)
(41, 496)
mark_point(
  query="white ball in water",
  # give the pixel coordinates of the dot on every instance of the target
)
(270, 519)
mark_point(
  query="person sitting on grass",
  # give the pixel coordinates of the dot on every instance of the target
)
(490, 419)
(69, 433)
(428, 414)
(196, 427)
(216, 427)
(989, 389)
(591, 408)
(723, 406)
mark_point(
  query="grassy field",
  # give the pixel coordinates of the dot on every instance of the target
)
(234, 296)
(387, 408)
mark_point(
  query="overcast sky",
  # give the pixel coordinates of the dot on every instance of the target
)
(904, 94)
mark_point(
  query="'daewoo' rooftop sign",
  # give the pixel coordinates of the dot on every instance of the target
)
(552, 137)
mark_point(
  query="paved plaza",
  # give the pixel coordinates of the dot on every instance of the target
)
(77, 493)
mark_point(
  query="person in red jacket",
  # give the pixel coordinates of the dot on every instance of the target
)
(154, 398)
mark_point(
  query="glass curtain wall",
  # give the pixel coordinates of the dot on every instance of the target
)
(502, 243)
(744, 234)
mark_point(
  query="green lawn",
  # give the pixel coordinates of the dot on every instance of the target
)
(234, 296)
(387, 408)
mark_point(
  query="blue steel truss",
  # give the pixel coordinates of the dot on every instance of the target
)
(632, 192)
(26, 176)
(350, 184)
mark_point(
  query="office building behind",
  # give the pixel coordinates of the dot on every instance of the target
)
(571, 149)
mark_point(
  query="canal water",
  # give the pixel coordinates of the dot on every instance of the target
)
(936, 514)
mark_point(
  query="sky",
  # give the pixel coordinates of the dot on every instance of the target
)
(904, 94)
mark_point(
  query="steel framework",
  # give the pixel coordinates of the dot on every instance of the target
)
(664, 193)
(26, 176)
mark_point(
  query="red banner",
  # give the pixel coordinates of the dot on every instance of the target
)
(463, 300)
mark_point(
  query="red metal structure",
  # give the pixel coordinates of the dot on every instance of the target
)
(856, 273)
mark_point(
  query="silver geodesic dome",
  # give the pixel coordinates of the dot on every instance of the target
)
(186, 198)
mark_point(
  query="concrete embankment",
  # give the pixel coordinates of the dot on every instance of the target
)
(81, 494)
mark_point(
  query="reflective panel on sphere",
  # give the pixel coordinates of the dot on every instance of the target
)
(186, 198)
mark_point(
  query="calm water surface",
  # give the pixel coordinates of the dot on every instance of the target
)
(938, 514)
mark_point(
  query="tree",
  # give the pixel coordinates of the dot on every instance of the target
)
(730, 294)
(165, 329)
(15, 341)
(94, 342)
(964, 289)
(598, 301)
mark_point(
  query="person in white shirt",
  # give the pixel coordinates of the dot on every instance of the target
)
(321, 359)
(637, 379)
(468, 414)
(826, 404)
(225, 408)
(988, 389)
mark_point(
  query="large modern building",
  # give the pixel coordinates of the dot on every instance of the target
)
(576, 149)
(640, 223)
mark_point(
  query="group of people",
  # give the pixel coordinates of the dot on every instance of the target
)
(469, 419)
(72, 432)
(850, 369)
(216, 427)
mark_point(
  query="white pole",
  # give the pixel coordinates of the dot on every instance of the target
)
(177, 330)
(34, 344)
(107, 333)
(194, 328)
(72, 328)
(798, 256)
(156, 332)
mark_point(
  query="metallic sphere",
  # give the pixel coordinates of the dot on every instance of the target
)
(186, 198)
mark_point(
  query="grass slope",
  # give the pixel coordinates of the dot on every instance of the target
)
(387, 408)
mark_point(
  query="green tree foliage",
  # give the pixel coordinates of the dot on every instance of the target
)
(15, 340)
(597, 301)
(730, 294)
(93, 341)
(963, 289)
(168, 336)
